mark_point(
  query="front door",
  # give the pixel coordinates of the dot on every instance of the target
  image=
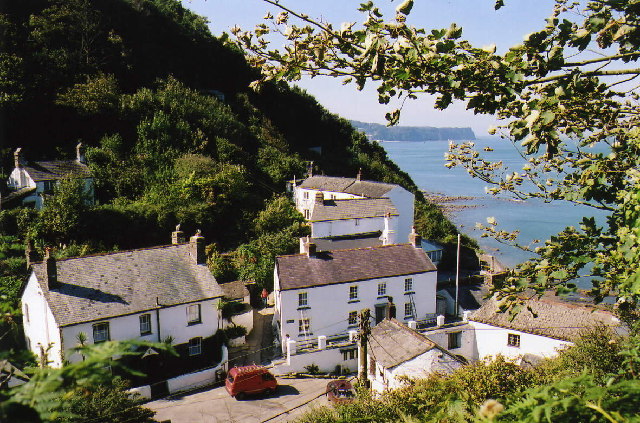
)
(381, 312)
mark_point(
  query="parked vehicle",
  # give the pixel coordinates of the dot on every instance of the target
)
(340, 391)
(250, 380)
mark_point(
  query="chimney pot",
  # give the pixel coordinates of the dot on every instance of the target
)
(196, 248)
(51, 268)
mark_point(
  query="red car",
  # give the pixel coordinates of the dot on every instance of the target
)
(340, 391)
(250, 380)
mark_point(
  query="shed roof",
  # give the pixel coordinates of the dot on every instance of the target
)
(352, 209)
(340, 266)
(108, 285)
(392, 343)
(370, 189)
(235, 290)
(553, 318)
(57, 169)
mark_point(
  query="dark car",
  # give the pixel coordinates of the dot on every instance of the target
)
(340, 391)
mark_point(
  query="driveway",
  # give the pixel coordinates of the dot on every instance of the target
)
(294, 397)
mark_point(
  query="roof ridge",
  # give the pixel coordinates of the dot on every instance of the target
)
(107, 253)
(375, 247)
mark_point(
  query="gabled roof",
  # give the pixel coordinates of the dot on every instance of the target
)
(554, 318)
(352, 209)
(56, 169)
(340, 266)
(108, 285)
(391, 343)
(370, 189)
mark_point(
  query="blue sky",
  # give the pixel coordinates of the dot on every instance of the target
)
(481, 24)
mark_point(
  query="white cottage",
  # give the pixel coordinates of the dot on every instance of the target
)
(320, 293)
(338, 188)
(395, 351)
(146, 294)
(29, 181)
(553, 325)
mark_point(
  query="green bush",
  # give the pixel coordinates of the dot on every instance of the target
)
(233, 332)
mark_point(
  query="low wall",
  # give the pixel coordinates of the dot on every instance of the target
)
(188, 381)
(326, 360)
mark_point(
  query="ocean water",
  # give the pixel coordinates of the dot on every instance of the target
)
(424, 162)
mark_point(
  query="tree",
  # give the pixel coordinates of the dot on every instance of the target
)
(59, 220)
(565, 96)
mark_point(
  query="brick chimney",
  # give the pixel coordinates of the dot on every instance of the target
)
(319, 198)
(80, 158)
(18, 159)
(177, 236)
(414, 238)
(307, 247)
(51, 269)
(196, 248)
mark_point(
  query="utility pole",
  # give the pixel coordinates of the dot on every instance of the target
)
(457, 276)
(363, 338)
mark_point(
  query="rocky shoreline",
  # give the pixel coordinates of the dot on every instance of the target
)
(447, 203)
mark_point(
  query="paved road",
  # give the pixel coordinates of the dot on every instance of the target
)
(215, 405)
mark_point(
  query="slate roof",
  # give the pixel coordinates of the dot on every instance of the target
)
(555, 319)
(340, 266)
(391, 343)
(236, 290)
(370, 239)
(352, 209)
(102, 286)
(370, 189)
(56, 169)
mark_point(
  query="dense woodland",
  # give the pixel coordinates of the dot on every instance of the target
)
(174, 135)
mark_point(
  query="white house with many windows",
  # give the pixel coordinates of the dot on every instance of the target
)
(321, 293)
(30, 181)
(147, 294)
(324, 199)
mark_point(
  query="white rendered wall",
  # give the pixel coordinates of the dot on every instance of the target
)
(348, 227)
(173, 322)
(329, 305)
(492, 340)
(17, 177)
(467, 347)
(403, 202)
(307, 203)
(41, 327)
(15, 183)
(326, 360)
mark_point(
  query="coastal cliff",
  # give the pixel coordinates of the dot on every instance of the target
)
(378, 132)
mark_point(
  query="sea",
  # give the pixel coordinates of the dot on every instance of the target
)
(533, 218)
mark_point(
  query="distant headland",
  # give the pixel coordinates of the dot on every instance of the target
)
(378, 132)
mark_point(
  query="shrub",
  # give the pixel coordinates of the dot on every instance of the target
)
(233, 332)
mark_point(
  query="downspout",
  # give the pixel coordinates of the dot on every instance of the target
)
(158, 307)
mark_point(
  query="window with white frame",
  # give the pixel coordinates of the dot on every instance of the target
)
(353, 292)
(353, 318)
(349, 354)
(195, 346)
(307, 215)
(303, 325)
(513, 340)
(408, 310)
(357, 222)
(408, 285)
(382, 289)
(305, 195)
(193, 314)
(145, 324)
(302, 299)
(101, 332)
